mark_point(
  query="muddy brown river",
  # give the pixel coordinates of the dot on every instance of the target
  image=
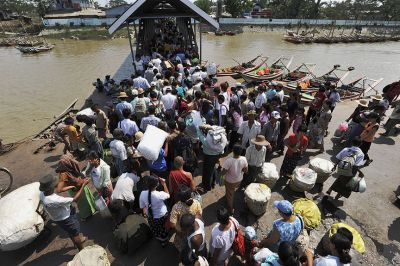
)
(36, 88)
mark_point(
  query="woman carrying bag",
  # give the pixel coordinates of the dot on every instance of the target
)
(155, 209)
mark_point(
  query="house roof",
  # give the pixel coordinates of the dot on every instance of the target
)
(162, 9)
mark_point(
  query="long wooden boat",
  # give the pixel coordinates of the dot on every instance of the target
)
(359, 88)
(268, 73)
(311, 84)
(234, 71)
(35, 49)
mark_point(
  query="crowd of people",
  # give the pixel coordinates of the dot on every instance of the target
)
(251, 126)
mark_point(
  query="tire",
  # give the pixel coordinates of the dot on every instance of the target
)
(6, 180)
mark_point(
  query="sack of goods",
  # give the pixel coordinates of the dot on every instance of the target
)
(358, 242)
(257, 196)
(309, 211)
(152, 142)
(303, 179)
(357, 184)
(132, 234)
(20, 223)
(323, 168)
(90, 256)
(269, 175)
(216, 138)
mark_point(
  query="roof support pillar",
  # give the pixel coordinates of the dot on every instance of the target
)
(130, 45)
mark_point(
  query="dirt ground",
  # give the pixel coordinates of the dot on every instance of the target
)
(372, 213)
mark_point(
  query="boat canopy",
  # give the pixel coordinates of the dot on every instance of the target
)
(143, 9)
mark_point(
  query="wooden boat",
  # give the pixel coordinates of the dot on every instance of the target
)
(275, 71)
(292, 37)
(359, 88)
(230, 33)
(299, 74)
(312, 84)
(234, 71)
(35, 49)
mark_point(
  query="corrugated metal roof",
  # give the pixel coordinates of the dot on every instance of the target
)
(162, 8)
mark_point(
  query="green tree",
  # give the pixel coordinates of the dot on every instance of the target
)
(114, 3)
(236, 7)
(42, 7)
(205, 5)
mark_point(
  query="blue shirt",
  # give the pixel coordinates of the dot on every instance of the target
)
(288, 231)
(271, 94)
(159, 165)
(121, 106)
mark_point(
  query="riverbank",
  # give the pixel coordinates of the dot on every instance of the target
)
(82, 33)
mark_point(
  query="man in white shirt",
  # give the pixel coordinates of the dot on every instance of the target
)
(124, 188)
(168, 99)
(139, 65)
(255, 156)
(249, 129)
(58, 208)
(222, 237)
(118, 151)
(279, 92)
(127, 125)
(261, 98)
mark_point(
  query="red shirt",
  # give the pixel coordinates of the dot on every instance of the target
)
(178, 178)
(292, 141)
(319, 99)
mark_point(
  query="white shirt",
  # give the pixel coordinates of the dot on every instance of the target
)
(249, 133)
(260, 100)
(223, 240)
(118, 150)
(254, 157)
(227, 99)
(57, 207)
(123, 190)
(348, 151)
(96, 175)
(156, 62)
(139, 65)
(157, 202)
(169, 101)
(281, 95)
(128, 126)
(334, 97)
(234, 167)
(329, 261)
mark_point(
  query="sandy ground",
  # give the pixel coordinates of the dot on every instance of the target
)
(372, 213)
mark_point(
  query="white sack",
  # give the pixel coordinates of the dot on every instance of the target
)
(90, 256)
(269, 175)
(87, 112)
(216, 139)
(257, 196)
(152, 142)
(322, 167)
(20, 223)
(303, 179)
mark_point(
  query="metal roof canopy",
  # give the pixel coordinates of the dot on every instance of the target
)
(162, 9)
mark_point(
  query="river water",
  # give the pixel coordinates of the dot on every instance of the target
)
(36, 88)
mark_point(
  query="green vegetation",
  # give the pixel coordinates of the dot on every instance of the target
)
(314, 9)
(114, 3)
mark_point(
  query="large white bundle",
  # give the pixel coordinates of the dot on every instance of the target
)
(152, 142)
(212, 69)
(303, 179)
(90, 256)
(257, 196)
(216, 138)
(322, 167)
(269, 175)
(20, 223)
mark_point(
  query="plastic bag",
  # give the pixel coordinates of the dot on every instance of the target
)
(152, 142)
(20, 223)
(358, 242)
(309, 211)
(90, 256)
